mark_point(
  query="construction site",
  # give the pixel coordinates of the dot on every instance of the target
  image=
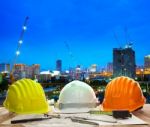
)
(74, 64)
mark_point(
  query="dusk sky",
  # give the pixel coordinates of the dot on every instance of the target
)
(88, 26)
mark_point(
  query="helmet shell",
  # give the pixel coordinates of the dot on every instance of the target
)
(77, 94)
(123, 93)
(26, 97)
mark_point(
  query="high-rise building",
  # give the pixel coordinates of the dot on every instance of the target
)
(59, 65)
(78, 73)
(4, 67)
(24, 71)
(19, 67)
(93, 68)
(29, 72)
(32, 71)
(36, 69)
(110, 67)
(147, 62)
(124, 62)
(19, 71)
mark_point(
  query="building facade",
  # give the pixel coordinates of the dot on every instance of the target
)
(19, 71)
(59, 65)
(147, 62)
(93, 68)
(4, 67)
(24, 71)
(124, 62)
(36, 69)
(110, 67)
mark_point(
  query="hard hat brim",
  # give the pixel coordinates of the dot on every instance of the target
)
(72, 110)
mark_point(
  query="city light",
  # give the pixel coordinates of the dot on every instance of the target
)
(24, 27)
(18, 53)
(67, 71)
(20, 41)
(87, 78)
(142, 70)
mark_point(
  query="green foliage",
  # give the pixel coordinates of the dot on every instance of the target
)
(1, 78)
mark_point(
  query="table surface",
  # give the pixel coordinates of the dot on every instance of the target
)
(143, 114)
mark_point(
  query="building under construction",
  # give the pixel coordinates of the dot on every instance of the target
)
(124, 62)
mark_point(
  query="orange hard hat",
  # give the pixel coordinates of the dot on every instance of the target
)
(123, 93)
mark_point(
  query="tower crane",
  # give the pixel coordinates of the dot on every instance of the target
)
(69, 51)
(20, 41)
(76, 72)
(68, 48)
(117, 40)
(128, 43)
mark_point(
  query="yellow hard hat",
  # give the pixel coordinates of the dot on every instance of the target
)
(26, 97)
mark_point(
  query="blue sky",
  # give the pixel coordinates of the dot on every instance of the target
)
(88, 26)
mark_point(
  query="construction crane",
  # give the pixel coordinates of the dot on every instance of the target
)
(69, 51)
(128, 43)
(117, 40)
(76, 72)
(72, 73)
(68, 48)
(20, 41)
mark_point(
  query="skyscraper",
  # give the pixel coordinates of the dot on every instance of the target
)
(4, 67)
(93, 68)
(36, 69)
(19, 71)
(59, 65)
(147, 62)
(24, 71)
(110, 67)
(19, 67)
(124, 62)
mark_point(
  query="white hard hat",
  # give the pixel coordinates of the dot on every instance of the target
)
(77, 94)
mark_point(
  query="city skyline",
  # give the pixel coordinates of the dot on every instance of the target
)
(91, 30)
